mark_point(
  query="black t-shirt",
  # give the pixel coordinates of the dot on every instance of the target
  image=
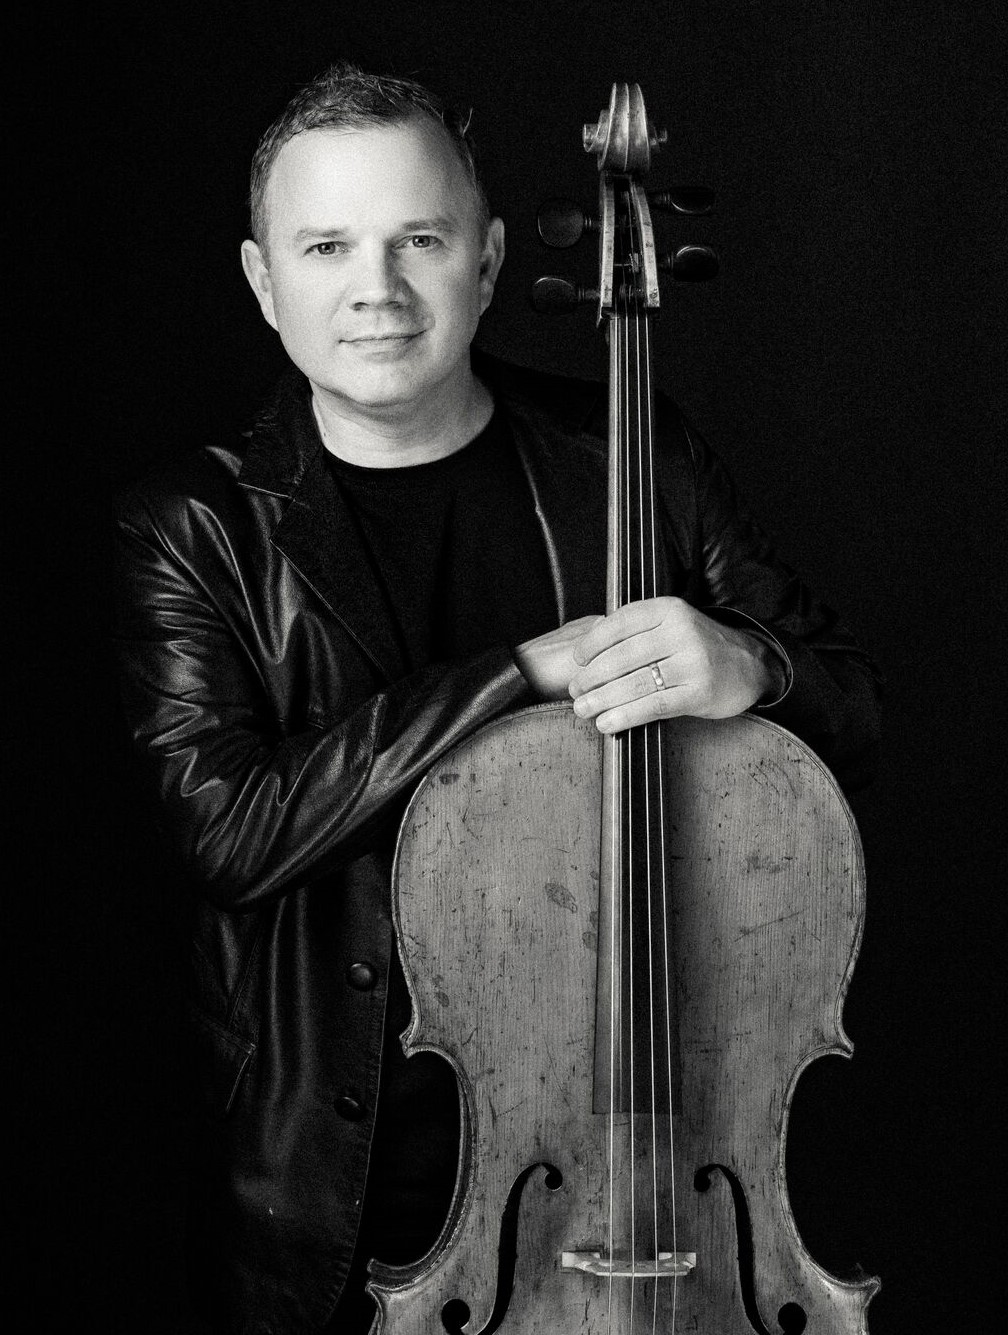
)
(456, 547)
(460, 556)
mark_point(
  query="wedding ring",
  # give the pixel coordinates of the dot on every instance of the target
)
(659, 680)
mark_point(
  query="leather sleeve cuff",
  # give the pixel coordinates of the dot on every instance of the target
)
(731, 616)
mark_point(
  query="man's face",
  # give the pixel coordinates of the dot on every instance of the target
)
(377, 269)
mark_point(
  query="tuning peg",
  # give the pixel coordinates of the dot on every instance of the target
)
(693, 200)
(562, 223)
(690, 264)
(552, 293)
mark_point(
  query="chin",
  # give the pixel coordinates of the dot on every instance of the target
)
(388, 385)
(385, 384)
(375, 393)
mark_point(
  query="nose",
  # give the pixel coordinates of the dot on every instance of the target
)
(376, 278)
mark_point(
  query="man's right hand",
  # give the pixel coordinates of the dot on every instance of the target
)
(547, 662)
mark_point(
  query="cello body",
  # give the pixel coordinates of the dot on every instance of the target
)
(496, 899)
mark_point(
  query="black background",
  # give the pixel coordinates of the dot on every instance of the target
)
(849, 364)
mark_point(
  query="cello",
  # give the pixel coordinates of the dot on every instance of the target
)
(628, 948)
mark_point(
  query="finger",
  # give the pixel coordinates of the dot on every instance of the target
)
(582, 625)
(611, 694)
(620, 660)
(670, 703)
(633, 619)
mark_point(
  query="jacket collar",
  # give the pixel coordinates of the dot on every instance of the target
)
(284, 440)
(552, 421)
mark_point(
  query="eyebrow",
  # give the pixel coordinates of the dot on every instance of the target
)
(436, 224)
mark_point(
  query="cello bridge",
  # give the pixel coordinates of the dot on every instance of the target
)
(669, 1265)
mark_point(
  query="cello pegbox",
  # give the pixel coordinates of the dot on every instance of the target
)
(622, 140)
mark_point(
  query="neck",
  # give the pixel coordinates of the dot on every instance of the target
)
(417, 435)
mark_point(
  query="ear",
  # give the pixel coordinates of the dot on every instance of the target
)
(490, 261)
(258, 275)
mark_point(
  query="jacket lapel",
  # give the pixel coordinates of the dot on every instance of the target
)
(320, 539)
(316, 533)
(566, 470)
(562, 435)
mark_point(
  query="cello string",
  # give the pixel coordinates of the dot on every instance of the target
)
(629, 750)
(667, 979)
(643, 399)
(616, 849)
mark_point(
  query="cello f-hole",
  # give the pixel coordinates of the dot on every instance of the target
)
(455, 1313)
(791, 1317)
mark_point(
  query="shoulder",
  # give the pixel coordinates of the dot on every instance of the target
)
(172, 494)
(244, 479)
(195, 516)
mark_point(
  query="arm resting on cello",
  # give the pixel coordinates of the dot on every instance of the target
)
(751, 635)
(252, 809)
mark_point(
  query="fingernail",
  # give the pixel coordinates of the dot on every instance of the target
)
(581, 706)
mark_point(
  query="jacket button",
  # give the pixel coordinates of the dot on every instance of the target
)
(349, 1107)
(362, 976)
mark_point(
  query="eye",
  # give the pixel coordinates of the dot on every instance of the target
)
(422, 241)
(326, 248)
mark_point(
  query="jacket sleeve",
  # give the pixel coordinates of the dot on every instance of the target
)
(832, 701)
(250, 809)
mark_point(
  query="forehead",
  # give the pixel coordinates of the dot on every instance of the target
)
(355, 176)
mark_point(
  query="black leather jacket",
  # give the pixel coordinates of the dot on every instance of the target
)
(268, 704)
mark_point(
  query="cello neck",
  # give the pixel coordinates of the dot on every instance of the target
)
(628, 1069)
(632, 564)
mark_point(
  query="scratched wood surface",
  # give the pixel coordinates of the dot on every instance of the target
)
(496, 901)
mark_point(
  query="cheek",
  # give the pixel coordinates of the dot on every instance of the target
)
(301, 311)
(460, 302)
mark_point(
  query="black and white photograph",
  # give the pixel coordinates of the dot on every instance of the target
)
(506, 667)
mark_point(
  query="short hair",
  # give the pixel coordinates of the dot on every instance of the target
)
(345, 95)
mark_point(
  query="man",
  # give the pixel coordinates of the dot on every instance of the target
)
(409, 544)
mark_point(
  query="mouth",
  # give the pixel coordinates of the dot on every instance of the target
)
(375, 342)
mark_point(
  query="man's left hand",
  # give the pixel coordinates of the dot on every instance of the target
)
(660, 658)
